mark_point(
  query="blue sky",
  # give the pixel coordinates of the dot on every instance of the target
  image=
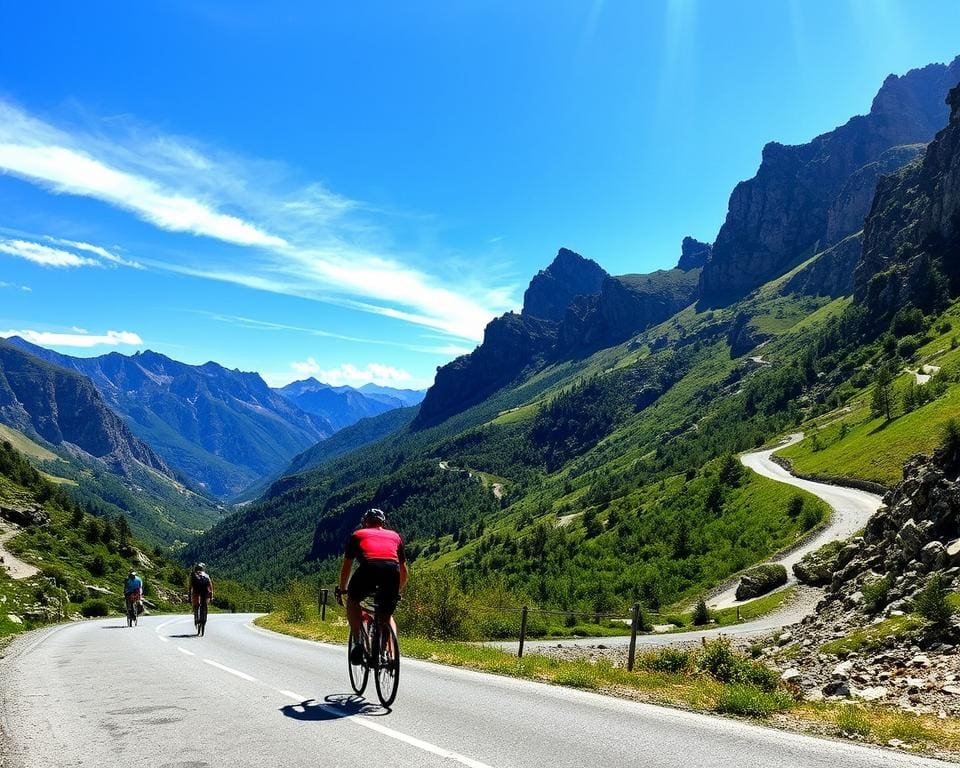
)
(352, 190)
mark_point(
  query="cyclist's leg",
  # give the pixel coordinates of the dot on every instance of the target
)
(361, 586)
(388, 595)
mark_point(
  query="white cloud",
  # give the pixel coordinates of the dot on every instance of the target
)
(103, 253)
(44, 255)
(79, 338)
(307, 241)
(349, 374)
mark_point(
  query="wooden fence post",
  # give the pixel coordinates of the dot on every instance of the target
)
(323, 604)
(523, 631)
(634, 626)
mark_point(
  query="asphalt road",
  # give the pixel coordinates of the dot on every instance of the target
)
(98, 694)
(851, 510)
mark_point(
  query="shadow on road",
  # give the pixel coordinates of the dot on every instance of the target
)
(115, 626)
(333, 707)
(190, 634)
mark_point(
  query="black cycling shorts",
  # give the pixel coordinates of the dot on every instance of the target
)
(380, 578)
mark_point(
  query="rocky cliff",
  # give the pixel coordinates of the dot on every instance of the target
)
(65, 409)
(625, 306)
(912, 235)
(552, 289)
(223, 429)
(511, 343)
(830, 273)
(693, 254)
(805, 198)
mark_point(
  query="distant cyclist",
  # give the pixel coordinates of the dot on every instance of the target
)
(133, 591)
(201, 588)
(382, 572)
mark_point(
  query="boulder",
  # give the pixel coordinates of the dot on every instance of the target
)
(760, 580)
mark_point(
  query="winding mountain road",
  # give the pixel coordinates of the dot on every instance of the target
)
(98, 694)
(851, 510)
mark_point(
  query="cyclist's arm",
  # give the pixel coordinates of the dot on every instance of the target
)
(402, 557)
(345, 572)
(403, 575)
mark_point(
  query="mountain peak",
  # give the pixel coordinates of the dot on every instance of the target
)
(693, 254)
(552, 289)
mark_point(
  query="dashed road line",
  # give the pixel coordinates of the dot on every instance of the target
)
(184, 650)
(291, 695)
(231, 670)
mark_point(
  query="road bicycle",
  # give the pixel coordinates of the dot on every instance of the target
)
(200, 617)
(381, 655)
(132, 614)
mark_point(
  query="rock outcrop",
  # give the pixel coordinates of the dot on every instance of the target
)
(625, 306)
(693, 254)
(912, 235)
(511, 343)
(806, 197)
(831, 272)
(760, 580)
(867, 617)
(552, 289)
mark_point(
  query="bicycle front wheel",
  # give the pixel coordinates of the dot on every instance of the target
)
(387, 672)
(358, 672)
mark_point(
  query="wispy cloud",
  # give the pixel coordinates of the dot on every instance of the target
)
(446, 348)
(302, 240)
(97, 250)
(79, 338)
(14, 285)
(44, 255)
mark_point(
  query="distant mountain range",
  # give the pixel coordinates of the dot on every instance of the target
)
(92, 452)
(223, 429)
(342, 406)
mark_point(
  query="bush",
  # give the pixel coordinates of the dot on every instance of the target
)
(931, 602)
(721, 662)
(434, 606)
(701, 614)
(96, 607)
(666, 660)
(97, 565)
(746, 700)
(294, 601)
(875, 593)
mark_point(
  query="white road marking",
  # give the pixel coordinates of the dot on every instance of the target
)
(238, 673)
(413, 741)
(184, 650)
(291, 695)
(161, 626)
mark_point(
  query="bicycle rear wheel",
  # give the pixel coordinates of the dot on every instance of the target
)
(358, 672)
(387, 665)
(202, 619)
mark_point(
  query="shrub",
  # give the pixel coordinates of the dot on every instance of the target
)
(931, 602)
(96, 607)
(701, 614)
(666, 660)
(875, 593)
(721, 662)
(746, 700)
(434, 606)
(294, 601)
(97, 565)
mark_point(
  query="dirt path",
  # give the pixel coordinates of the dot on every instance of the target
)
(14, 567)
